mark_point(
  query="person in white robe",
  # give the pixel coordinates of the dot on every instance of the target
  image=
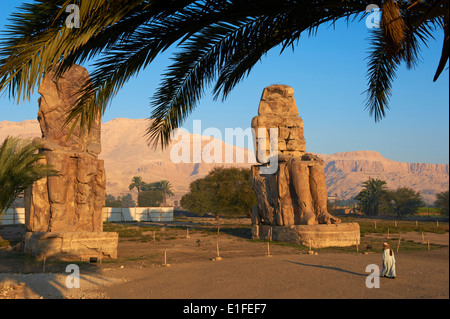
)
(388, 269)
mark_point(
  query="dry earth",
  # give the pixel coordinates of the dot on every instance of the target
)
(244, 272)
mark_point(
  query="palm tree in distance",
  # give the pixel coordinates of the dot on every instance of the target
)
(20, 167)
(369, 198)
(164, 187)
(167, 190)
(136, 182)
(219, 42)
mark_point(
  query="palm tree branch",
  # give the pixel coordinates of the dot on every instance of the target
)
(133, 52)
(219, 48)
(382, 68)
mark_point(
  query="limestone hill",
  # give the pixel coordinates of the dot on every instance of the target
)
(127, 153)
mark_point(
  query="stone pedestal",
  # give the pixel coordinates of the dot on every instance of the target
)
(319, 236)
(71, 245)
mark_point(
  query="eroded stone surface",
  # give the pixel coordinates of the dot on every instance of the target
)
(296, 193)
(57, 98)
(314, 236)
(277, 109)
(71, 245)
(72, 201)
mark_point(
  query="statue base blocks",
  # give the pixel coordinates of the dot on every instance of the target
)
(71, 245)
(314, 236)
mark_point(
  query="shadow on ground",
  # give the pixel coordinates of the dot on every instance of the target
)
(327, 267)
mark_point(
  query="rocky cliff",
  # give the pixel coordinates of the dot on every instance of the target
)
(127, 153)
(346, 171)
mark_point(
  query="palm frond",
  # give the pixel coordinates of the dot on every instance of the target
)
(393, 26)
(20, 167)
(133, 52)
(219, 43)
(381, 72)
(194, 68)
(226, 50)
(38, 39)
(431, 16)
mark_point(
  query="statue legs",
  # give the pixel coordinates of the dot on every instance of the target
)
(295, 195)
(307, 177)
(318, 187)
(302, 199)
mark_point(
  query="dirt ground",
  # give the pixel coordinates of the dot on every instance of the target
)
(244, 271)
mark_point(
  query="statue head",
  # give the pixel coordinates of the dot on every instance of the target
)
(58, 96)
(278, 121)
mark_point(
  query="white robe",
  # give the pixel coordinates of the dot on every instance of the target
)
(388, 269)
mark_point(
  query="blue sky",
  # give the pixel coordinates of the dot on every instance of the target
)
(328, 74)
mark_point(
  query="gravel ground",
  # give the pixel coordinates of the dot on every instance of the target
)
(244, 272)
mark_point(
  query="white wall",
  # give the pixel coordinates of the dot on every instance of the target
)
(155, 214)
(13, 216)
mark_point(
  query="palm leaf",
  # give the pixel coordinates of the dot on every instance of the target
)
(382, 68)
(227, 50)
(393, 26)
(219, 42)
(20, 167)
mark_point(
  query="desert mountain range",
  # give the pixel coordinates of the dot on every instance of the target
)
(127, 153)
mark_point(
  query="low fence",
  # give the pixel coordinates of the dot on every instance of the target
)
(15, 216)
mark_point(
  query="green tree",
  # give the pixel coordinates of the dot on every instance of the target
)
(167, 190)
(136, 182)
(111, 201)
(405, 201)
(442, 201)
(127, 201)
(121, 201)
(155, 193)
(198, 200)
(20, 167)
(150, 186)
(219, 42)
(224, 191)
(150, 198)
(164, 186)
(373, 193)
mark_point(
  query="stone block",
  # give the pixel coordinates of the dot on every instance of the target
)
(71, 245)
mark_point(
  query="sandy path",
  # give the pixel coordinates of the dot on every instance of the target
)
(243, 273)
(420, 275)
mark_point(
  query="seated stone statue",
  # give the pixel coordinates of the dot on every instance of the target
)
(73, 199)
(296, 194)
